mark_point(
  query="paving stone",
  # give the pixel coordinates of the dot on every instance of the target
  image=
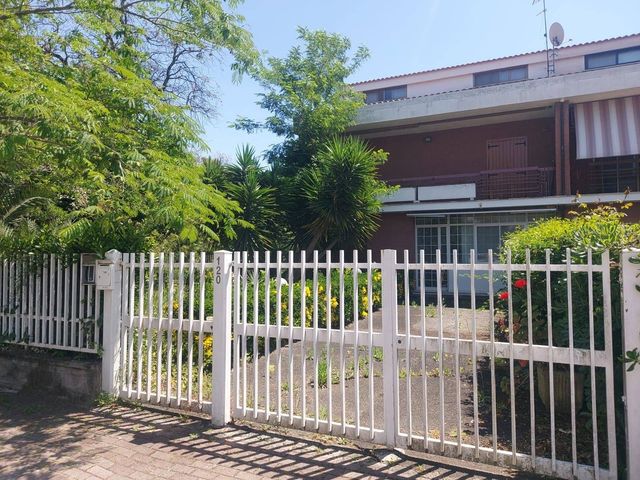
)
(76, 442)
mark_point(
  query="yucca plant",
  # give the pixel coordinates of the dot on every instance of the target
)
(258, 224)
(341, 194)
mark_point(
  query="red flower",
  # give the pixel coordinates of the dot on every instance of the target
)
(520, 283)
(503, 296)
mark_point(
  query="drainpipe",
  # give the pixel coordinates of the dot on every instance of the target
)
(557, 114)
(566, 148)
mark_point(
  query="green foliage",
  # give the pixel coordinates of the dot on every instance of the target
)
(340, 194)
(326, 185)
(259, 224)
(105, 399)
(338, 306)
(596, 229)
(307, 97)
(632, 357)
(95, 117)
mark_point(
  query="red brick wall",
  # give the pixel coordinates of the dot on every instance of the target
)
(633, 214)
(462, 150)
(397, 231)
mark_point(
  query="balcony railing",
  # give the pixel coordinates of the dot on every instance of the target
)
(492, 184)
(607, 175)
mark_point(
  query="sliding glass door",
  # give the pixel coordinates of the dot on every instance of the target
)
(430, 239)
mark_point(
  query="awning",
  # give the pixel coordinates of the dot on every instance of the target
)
(608, 128)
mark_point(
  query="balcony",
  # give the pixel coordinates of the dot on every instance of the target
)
(485, 185)
(614, 175)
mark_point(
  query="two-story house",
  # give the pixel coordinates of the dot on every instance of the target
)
(481, 148)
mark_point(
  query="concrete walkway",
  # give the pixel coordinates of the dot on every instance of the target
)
(45, 438)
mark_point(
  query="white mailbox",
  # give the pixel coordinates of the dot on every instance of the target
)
(104, 276)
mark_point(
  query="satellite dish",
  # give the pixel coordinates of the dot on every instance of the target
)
(556, 34)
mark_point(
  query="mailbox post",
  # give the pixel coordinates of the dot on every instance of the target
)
(108, 278)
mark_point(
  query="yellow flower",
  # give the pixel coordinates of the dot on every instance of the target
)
(363, 290)
(307, 292)
(207, 346)
(377, 276)
(334, 302)
(363, 314)
(320, 289)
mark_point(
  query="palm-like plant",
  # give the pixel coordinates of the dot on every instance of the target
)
(14, 214)
(215, 172)
(258, 223)
(341, 193)
(17, 224)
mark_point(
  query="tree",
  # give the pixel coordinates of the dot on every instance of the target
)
(168, 40)
(341, 195)
(259, 224)
(307, 97)
(326, 186)
(85, 120)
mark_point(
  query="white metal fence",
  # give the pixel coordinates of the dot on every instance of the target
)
(47, 302)
(303, 332)
(364, 376)
(166, 338)
(351, 345)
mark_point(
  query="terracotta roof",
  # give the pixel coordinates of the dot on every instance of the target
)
(492, 60)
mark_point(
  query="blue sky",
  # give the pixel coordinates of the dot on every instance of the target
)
(406, 36)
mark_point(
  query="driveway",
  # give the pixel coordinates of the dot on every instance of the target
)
(48, 438)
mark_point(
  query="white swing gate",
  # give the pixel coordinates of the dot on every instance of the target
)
(167, 329)
(287, 381)
(364, 377)
(357, 348)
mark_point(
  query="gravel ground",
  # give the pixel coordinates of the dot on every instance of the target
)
(437, 409)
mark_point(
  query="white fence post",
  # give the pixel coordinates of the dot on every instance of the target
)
(389, 331)
(109, 279)
(630, 272)
(221, 359)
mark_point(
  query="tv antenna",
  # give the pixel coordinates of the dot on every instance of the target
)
(546, 36)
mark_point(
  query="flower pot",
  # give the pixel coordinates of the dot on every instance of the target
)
(561, 387)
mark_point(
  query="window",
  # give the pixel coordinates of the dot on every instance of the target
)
(461, 240)
(612, 58)
(386, 94)
(490, 238)
(504, 75)
(463, 232)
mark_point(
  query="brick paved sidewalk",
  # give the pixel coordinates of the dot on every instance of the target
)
(44, 438)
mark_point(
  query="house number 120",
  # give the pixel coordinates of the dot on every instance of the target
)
(218, 271)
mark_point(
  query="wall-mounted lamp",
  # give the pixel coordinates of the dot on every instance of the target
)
(427, 139)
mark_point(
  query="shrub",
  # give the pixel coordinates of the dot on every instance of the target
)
(598, 229)
(298, 291)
